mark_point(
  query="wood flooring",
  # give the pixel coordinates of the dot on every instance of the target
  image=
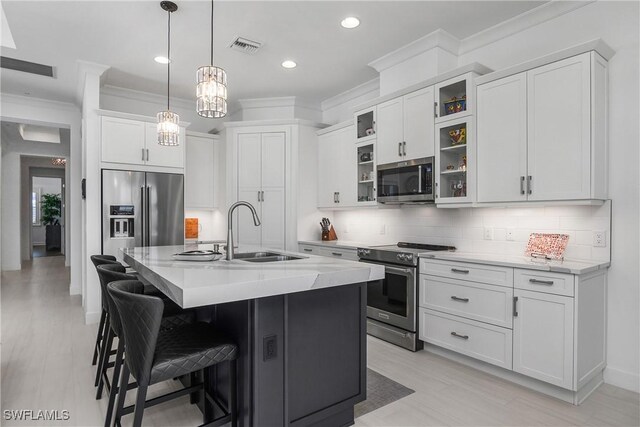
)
(46, 364)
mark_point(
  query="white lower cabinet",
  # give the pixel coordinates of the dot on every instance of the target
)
(543, 337)
(544, 325)
(320, 249)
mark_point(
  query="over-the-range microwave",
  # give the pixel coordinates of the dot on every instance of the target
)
(408, 181)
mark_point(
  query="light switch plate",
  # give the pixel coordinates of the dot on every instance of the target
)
(488, 233)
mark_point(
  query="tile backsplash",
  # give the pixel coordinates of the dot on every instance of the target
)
(465, 228)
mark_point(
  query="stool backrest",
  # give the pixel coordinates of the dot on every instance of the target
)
(140, 316)
(103, 259)
(112, 273)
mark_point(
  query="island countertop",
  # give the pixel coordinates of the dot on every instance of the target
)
(201, 283)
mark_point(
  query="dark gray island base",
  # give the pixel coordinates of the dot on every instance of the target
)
(303, 356)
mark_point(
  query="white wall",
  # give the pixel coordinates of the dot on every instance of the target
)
(617, 23)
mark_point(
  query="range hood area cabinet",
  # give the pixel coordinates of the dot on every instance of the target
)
(132, 141)
(405, 131)
(541, 133)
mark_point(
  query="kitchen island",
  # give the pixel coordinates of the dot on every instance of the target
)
(300, 325)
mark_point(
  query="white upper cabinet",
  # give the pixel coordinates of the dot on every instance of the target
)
(542, 133)
(171, 156)
(405, 127)
(559, 130)
(454, 98)
(502, 139)
(338, 171)
(200, 172)
(123, 141)
(135, 142)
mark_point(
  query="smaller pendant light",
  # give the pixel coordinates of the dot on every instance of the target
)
(168, 128)
(211, 92)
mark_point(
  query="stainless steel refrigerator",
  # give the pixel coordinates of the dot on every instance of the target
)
(141, 209)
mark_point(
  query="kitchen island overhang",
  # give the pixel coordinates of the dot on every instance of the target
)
(300, 326)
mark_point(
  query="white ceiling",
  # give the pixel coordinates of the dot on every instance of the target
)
(126, 35)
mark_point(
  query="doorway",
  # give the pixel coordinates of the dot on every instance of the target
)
(46, 216)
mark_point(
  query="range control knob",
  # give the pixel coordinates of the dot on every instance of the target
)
(401, 257)
(408, 257)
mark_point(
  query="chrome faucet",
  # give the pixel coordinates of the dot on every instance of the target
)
(256, 221)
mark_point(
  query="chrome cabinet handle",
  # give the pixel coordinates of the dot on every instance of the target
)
(147, 154)
(400, 149)
(336, 253)
(307, 250)
(335, 197)
(457, 270)
(338, 193)
(258, 196)
(515, 306)
(404, 148)
(435, 109)
(522, 185)
(142, 154)
(455, 298)
(530, 184)
(457, 335)
(262, 195)
(541, 282)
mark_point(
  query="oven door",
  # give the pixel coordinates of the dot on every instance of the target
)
(392, 300)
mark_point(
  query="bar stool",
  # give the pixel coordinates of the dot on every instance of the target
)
(99, 260)
(173, 316)
(154, 355)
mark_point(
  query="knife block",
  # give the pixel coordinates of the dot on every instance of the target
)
(329, 235)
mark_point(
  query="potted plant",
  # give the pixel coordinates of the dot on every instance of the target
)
(51, 205)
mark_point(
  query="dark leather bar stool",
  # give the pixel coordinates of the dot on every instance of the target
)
(173, 316)
(154, 355)
(99, 260)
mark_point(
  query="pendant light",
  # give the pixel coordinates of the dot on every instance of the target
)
(168, 121)
(211, 92)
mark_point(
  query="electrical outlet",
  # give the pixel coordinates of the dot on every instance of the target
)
(509, 234)
(383, 229)
(269, 347)
(488, 233)
(600, 239)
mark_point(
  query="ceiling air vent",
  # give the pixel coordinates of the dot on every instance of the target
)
(245, 45)
(26, 67)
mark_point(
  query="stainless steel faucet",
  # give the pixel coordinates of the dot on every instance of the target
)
(256, 221)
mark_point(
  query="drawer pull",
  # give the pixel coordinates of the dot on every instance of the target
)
(541, 282)
(308, 250)
(455, 298)
(457, 270)
(457, 335)
(336, 253)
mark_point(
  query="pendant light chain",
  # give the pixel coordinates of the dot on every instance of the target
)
(211, 62)
(168, 57)
(168, 121)
(211, 88)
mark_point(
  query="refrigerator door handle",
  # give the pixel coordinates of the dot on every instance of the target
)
(142, 208)
(147, 219)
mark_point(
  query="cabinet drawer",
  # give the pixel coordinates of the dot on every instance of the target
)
(308, 249)
(491, 344)
(501, 276)
(348, 254)
(485, 303)
(542, 281)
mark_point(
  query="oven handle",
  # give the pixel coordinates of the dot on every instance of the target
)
(407, 271)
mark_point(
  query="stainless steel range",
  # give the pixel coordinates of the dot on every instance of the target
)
(392, 302)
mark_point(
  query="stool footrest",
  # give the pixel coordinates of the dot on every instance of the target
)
(164, 398)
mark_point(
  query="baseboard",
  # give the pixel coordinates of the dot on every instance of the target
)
(622, 379)
(74, 290)
(92, 317)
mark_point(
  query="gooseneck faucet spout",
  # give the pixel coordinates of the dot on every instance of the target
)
(256, 221)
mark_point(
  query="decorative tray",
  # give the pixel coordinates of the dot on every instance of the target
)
(198, 255)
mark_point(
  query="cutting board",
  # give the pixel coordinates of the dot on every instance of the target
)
(550, 246)
(191, 228)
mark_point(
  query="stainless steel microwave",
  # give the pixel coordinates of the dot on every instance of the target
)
(409, 181)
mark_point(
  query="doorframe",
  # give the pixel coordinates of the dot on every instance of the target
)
(45, 172)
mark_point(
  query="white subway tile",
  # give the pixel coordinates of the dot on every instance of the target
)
(539, 222)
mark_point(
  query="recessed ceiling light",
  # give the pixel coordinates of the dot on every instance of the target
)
(289, 64)
(350, 22)
(161, 59)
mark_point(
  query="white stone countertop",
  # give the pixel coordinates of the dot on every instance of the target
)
(520, 261)
(201, 283)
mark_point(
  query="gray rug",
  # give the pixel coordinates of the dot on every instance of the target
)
(380, 392)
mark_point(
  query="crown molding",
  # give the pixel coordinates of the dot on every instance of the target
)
(83, 68)
(274, 122)
(281, 101)
(531, 18)
(356, 92)
(152, 98)
(438, 38)
(11, 98)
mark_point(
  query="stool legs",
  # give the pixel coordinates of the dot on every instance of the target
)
(104, 361)
(140, 404)
(115, 385)
(122, 392)
(99, 338)
(233, 391)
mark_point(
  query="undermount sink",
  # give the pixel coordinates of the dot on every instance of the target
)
(265, 257)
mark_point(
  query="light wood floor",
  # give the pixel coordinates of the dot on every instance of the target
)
(46, 352)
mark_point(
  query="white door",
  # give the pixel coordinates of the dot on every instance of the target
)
(502, 139)
(199, 172)
(272, 199)
(171, 156)
(559, 130)
(543, 337)
(122, 141)
(249, 187)
(329, 165)
(389, 147)
(418, 124)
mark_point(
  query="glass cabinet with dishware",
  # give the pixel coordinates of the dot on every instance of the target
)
(366, 174)
(454, 161)
(365, 124)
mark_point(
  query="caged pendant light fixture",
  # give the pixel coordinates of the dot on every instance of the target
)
(168, 127)
(211, 92)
